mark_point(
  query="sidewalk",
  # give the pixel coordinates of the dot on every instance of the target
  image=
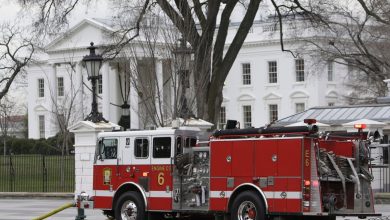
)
(54, 195)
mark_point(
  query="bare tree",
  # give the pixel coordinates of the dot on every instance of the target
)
(16, 52)
(162, 94)
(6, 108)
(64, 105)
(355, 38)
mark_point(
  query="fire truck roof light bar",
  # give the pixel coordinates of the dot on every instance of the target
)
(360, 126)
(267, 131)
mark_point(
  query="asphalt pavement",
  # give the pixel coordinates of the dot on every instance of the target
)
(27, 209)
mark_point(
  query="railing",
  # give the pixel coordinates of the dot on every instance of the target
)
(37, 173)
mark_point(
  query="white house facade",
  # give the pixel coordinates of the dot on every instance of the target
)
(264, 84)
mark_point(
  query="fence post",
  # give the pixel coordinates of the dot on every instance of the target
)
(12, 174)
(388, 169)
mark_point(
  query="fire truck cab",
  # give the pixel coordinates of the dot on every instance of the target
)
(251, 174)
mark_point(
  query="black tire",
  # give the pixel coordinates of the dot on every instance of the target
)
(130, 206)
(247, 205)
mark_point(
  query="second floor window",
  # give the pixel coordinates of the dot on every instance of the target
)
(272, 72)
(300, 70)
(247, 111)
(41, 88)
(273, 112)
(222, 118)
(60, 86)
(246, 73)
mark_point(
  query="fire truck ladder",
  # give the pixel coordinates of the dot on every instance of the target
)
(340, 174)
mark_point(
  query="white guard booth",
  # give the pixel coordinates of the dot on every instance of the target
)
(85, 141)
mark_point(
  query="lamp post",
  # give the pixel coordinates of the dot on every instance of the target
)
(92, 63)
(183, 55)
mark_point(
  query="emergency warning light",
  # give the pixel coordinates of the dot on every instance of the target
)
(360, 126)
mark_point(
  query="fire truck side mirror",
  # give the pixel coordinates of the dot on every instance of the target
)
(99, 149)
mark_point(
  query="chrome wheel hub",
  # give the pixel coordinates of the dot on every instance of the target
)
(247, 211)
(129, 211)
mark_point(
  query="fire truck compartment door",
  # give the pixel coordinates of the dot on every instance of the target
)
(242, 158)
(221, 159)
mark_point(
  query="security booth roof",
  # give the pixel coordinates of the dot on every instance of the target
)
(338, 115)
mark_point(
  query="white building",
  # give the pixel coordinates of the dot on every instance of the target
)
(264, 83)
(59, 82)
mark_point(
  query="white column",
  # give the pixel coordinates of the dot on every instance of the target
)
(105, 103)
(80, 91)
(52, 123)
(115, 96)
(160, 83)
(134, 117)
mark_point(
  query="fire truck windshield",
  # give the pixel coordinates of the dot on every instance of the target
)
(107, 148)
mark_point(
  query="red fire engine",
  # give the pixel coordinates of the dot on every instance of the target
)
(240, 174)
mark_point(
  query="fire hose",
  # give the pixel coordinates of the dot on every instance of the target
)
(55, 211)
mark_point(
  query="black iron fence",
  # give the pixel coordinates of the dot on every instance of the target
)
(380, 154)
(37, 173)
(382, 177)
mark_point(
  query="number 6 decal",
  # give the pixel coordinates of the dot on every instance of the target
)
(160, 179)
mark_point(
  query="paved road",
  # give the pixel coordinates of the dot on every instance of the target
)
(27, 209)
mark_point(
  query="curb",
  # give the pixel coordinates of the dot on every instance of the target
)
(382, 198)
(4, 195)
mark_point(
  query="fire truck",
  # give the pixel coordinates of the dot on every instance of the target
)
(238, 174)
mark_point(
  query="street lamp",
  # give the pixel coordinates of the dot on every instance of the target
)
(92, 63)
(183, 56)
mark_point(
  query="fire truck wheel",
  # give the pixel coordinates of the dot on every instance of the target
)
(248, 206)
(130, 207)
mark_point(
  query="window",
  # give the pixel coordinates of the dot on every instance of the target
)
(331, 104)
(247, 111)
(246, 73)
(272, 72)
(273, 113)
(141, 148)
(100, 86)
(179, 145)
(41, 126)
(60, 86)
(300, 70)
(41, 88)
(330, 71)
(299, 107)
(222, 118)
(190, 142)
(162, 147)
(108, 148)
